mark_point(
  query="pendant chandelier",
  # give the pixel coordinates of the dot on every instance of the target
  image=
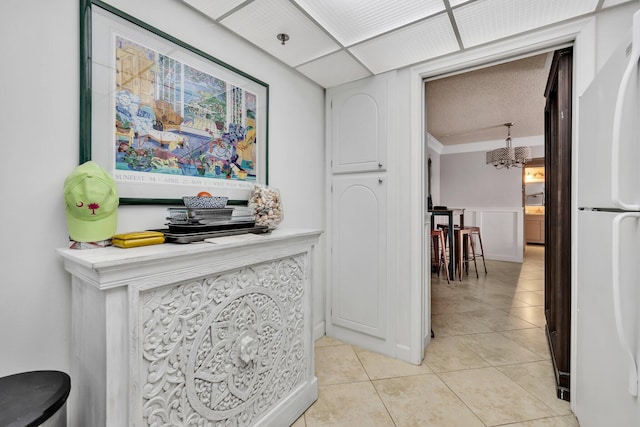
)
(509, 157)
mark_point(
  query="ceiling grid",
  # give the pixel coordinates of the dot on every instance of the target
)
(333, 42)
(382, 35)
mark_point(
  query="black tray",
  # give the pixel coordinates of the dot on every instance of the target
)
(200, 228)
(171, 237)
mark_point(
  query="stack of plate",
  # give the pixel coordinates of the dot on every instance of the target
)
(243, 213)
(201, 216)
(193, 220)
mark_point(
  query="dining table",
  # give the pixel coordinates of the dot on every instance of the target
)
(450, 213)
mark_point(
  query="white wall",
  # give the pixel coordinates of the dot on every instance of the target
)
(435, 175)
(466, 180)
(39, 117)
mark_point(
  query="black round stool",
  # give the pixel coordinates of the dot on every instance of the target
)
(36, 398)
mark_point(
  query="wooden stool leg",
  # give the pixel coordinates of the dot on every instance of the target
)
(444, 256)
(459, 252)
(435, 254)
(465, 251)
(439, 253)
(473, 253)
(482, 251)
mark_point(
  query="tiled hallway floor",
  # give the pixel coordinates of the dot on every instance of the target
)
(488, 365)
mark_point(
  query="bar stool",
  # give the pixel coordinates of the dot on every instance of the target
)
(439, 252)
(445, 231)
(462, 238)
(475, 231)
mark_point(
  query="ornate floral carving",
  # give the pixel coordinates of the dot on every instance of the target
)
(222, 350)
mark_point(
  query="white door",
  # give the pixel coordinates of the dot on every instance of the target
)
(359, 280)
(360, 301)
(360, 128)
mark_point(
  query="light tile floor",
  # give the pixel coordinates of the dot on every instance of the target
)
(489, 364)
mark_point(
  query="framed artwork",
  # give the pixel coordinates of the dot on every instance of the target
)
(165, 119)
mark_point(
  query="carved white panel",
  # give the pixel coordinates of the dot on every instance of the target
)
(222, 350)
(193, 335)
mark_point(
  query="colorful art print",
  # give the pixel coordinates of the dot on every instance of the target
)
(169, 121)
(188, 122)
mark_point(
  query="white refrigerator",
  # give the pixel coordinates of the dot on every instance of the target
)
(608, 243)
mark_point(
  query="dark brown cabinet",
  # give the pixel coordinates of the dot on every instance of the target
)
(558, 217)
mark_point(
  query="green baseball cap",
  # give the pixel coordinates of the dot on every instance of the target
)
(91, 199)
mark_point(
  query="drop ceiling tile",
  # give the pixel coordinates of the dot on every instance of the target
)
(333, 70)
(214, 9)
(416, 43)
(609, 3)
(261, 21)
(483, 21)
(454, 3)
(353, 21)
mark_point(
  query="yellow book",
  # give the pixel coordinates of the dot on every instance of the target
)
(140, 238)
(138, 235)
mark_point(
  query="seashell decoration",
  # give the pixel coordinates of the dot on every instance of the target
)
(266, 205)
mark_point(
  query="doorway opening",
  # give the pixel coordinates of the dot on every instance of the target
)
(455, 175)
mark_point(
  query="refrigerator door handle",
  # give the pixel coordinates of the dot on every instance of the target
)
(617, 118)
(617, 299)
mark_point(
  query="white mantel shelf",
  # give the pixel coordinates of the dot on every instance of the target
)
(193, 334)
(112, 266)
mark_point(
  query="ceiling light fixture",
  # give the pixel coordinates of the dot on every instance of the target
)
(509, 157)
(282, 37)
